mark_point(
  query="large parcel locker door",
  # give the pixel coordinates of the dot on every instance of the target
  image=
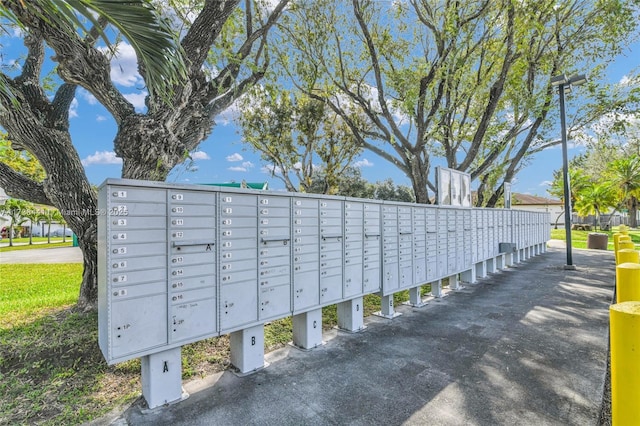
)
(467, 231)
(372, 248)
(390, 249)
(353, 248)
(132, 271)
(431, 229)
(419, 245)
(306, 254)
(443, 243)
(475, 237)
(274, 256)
(238, 261)
(193, 313)
(453, 241)
(331, 251)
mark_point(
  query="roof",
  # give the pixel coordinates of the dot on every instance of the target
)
(533, 200)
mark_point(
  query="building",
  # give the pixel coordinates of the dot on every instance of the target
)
(554, 207)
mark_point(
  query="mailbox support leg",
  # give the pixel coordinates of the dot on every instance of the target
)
(454, 284)
(387, 309)
(481, 269)
(307, 329)
(247, 349)
(469, 276)
(491, 266)
(501, 261)
(162, 377)
(415, 298)
(436, 289)
(518, 256)
(350, 315)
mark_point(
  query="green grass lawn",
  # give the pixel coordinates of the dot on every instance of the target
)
(51, 369)
(579, 238)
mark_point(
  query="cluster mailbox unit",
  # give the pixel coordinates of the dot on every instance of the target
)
(181, 263)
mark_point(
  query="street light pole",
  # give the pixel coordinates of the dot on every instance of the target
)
(564, 86)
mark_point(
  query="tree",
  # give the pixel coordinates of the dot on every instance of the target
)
(15, 210)
(296, 135)
(595, 198)
(465, 81)
(34, 215)
(624, 174)
(223, 45)
(57, 216)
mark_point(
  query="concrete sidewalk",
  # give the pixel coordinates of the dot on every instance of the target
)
(525, 346)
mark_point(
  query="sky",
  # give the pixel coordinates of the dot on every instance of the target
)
(223, 157)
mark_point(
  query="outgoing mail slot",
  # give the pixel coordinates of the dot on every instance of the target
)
(192, 197)
(177, 297)
(141, 290)
(238, 305)
(136, 325)
(189, 322)
(129, 193)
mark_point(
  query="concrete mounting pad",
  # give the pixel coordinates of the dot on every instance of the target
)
(527, 345)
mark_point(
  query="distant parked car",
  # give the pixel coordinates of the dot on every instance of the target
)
(58, 232)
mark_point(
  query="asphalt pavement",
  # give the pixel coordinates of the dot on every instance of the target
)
(43, 255)
(524, 346)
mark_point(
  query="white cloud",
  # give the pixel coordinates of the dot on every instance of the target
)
(229, 115)
(136, 99)
(200, 155)
(237, 169)
(363, 163)
(101, 157)
(124, 66)
(247, 164)
(234, 157)
(87, 96)
(101, 118)
(73, 109)
(271, 169)
(546, 183)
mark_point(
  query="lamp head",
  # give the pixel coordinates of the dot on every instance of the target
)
(559, 79)
(577, 79)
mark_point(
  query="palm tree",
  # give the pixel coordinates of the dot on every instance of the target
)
(624, 174)
(14, 209)
(48, 217)
(57, 216)
(595, 198)
(137, 20)
(34, 215)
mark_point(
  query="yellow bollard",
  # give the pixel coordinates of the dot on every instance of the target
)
(628, 256)
(624, 238)
(623, 229)
(622, 245)
(625, 363)
(628, 282)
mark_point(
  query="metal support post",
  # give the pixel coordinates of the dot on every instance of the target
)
(415, 298)
(387, 309)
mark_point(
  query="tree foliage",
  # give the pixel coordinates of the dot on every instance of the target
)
(468, 82)
(222, 44)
